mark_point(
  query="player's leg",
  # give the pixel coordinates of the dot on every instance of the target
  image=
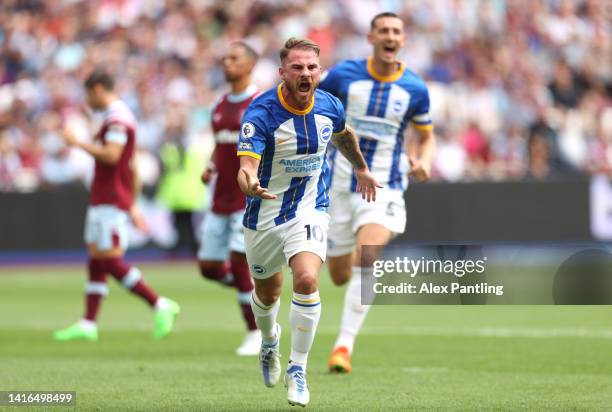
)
(265, 303)
(341, 238)
(375, 225)
(355, 311)
(220, 234)
(340, 250)
(304, 318)
(265, 263)
(340, 268)
(95, 289)
(305, 305)
(131, 278)
(243, 282)
(110, 248)
(214, 251)
(245, 286)
(305, 246)
(217, 271)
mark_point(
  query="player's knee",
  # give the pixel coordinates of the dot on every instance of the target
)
(212, 270)
(340, 275)
(305, 282)
(340, 269)
(240, 269)
(366, 256)
(267, 295)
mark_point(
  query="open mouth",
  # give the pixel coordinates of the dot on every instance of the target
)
(390, 49)
(304, 87)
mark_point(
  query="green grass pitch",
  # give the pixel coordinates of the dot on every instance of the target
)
(407, 358)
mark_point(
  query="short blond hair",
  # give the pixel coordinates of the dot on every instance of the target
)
(297, 43)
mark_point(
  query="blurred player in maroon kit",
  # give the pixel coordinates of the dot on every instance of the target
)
(111, 205)
(222, 256)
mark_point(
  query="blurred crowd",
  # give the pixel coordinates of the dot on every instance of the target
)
(520, 89)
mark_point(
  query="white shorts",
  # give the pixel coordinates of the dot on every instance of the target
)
(221, 234)
(268, 250)
(349, 212)
(106, 226)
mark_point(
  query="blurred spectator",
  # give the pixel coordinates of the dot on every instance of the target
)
(566, 87)
(540, 166)
(476, 147)
(500, 73)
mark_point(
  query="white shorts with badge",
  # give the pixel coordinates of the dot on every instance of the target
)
(269, 249)
(106, 226)
(221, 234)
(349, 212)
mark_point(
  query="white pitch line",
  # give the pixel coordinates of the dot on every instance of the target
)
(425, 370)
(496, 332)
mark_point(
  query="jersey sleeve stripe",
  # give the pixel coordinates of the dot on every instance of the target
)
(250, 154)
(422, 118)
(116, 137)
(422, 126)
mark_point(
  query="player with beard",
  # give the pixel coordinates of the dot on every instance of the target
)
(221, 256)
(284, 173)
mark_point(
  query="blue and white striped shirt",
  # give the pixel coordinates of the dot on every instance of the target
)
(292, 147)
(378, 108)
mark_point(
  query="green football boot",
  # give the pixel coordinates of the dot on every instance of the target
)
(76, 332)
(164, 319)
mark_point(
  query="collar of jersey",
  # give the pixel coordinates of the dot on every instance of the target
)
(293, 109)
(390, 78)
(240, 97)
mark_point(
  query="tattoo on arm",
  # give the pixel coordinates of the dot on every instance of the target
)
(346, 142)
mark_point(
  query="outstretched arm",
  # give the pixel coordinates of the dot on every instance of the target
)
(248, 181)
(346, 142)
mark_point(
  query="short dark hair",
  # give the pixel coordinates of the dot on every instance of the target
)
(249, 50)
(101, 77)
(297, 43)
(380, 16)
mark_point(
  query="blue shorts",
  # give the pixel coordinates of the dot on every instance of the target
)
(221, 234)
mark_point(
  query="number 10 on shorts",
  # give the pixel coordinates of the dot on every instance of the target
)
(314, 231)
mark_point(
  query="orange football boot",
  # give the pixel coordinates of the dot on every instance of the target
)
(340, 360)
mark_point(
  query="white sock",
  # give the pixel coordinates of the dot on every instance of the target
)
(265, 317)
(304, 318)
(88, 325)
(162, 303)
(354, 313)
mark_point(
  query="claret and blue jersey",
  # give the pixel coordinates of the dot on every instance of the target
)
(378, 108)
(291, 145)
